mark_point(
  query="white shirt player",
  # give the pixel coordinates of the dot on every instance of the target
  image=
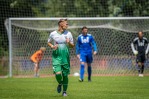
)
(59, 38)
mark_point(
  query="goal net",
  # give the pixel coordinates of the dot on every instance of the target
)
(113, 37)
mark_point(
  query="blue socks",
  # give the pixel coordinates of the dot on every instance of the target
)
(82, 71)
(89, 69)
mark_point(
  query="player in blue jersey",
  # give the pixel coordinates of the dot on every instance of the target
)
(84, 52)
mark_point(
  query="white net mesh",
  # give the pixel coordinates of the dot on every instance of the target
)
(112, 35)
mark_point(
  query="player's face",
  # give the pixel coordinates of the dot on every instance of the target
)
(84, 31)
(64, 25)
(140, 34)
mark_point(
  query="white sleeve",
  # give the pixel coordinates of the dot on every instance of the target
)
(133, 48)
(50, 38)
(70, 37)
(147, 49)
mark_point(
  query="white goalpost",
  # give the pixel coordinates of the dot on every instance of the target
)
(113, 36)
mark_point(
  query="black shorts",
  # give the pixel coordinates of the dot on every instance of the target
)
(141, 58)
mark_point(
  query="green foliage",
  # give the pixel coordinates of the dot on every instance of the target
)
(128, 7)
(100, 87)
(3, 70)
(81, 8)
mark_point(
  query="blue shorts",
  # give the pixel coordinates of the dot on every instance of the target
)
(86, 57)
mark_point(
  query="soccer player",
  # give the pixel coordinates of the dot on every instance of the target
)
(36, 58)
(140, 48)
(62, 40)
(84, 46)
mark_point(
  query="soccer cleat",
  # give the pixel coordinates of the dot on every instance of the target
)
(80, 80)
(89, 81)
(64, 94)
(59, 88)
(141, 75)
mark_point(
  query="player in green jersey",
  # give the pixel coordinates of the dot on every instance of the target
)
(60, 40)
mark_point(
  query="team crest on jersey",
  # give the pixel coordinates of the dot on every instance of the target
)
(141, 43)
(86, 40)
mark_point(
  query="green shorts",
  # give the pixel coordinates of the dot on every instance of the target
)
(61, 60)
(65, 69)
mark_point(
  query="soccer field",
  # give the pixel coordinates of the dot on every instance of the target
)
(101, 87)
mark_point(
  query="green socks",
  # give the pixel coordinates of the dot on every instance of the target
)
(65, 83)
(59, 78)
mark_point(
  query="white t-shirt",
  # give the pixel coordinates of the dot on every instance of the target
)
(60, 38)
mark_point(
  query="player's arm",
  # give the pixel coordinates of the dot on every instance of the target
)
(50, 43)
(78, 48)
(71, 45)
(133, 47)
(53, 46)
(69, 41)
(147, 48)
(94, 45)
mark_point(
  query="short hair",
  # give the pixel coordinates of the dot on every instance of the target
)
(84, 27)
(61, 20)
(42, 48)
(140, 31)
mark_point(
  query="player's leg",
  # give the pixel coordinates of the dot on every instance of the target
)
(65, 85)
(58, 75)
(142, 63)
(57, 68)
(82, 71)
(82, 66)
(65, 73)
(89, 68)
(139, 67)
(138, 60)
(36, 66)
(142, 68)
(36, 69)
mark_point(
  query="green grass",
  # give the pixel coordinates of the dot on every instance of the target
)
(101, 87)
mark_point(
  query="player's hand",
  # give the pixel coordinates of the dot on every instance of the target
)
(146, 52)
(67, 40)
(135, 52)
(55, 46)
(78, 56)
(94, 52)
(71, 45)
(35, 64)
